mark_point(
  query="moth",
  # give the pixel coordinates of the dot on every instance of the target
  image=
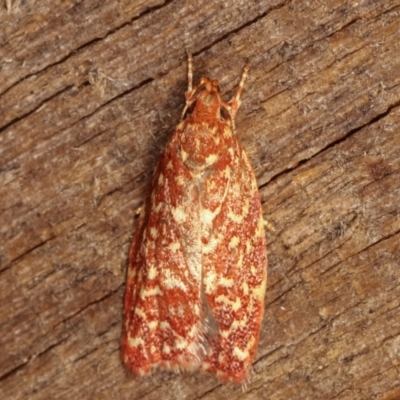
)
(198, 263)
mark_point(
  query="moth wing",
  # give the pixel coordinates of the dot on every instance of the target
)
(234, 266)
(163, 325)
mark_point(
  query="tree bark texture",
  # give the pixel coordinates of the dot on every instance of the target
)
(90, 92)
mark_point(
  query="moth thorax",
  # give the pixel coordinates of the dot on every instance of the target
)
(207, 106)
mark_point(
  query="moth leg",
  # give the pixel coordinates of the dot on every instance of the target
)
(228, 106)
(268, 225)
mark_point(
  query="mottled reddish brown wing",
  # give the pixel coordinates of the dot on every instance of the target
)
(198, 233)
(235, 271)
(162, 321)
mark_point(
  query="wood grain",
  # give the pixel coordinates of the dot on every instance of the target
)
(90, 92)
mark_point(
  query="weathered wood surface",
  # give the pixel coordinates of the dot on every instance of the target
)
(89, 93)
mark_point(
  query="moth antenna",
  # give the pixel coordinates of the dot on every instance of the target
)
(241, 83)
(235, 102)
(190, 72)
(190, 92)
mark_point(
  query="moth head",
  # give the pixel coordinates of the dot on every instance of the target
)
(208, 104)
(209, 85)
